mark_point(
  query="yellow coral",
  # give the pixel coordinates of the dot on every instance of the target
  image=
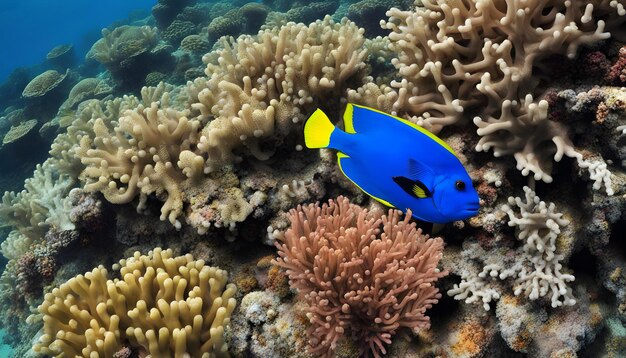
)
(165, 306)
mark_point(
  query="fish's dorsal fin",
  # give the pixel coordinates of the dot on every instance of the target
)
(413, 187)
(348, 116)
(401, 120)
(317, 130)
(355, 177)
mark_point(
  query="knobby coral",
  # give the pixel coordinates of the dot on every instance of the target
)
(144, 153)
(162, 305)
(358, 278)
(259, 86)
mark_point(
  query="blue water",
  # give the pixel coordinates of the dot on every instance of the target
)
(30, 28)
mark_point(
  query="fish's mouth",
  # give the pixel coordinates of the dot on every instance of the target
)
(473, 208)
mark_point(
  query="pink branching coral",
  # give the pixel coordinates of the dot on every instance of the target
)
(358, 278)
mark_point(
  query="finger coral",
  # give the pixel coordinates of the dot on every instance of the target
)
(489, 59)
(163, 306)
(358, 278)
(140, 155)
(259, 85)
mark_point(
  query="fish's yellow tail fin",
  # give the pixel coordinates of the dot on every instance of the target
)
(317, 130)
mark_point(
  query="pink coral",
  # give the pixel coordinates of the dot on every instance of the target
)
(358, 278)
(617, 72)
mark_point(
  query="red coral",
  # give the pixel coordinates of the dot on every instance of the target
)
(595, 64)
(617, 72)
(357, 278)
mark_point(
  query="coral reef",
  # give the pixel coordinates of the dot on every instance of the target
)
(194, 116)
(44, 83)
(489, 61)
(150, 306)
(17, 132)
(260, 86)
(346, 269)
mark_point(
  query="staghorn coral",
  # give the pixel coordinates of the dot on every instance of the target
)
(63, 149)
(43, 83)
(488, 59)
(357, 278)
(260, 86)
(139, 156)
(161, 305)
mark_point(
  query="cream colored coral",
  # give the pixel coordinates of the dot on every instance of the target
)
(122, 43)
(165, 306)
(85, 89)
(487, 56)
(15, 245)
(43, 204)
(19, 131)
(139, 156)
(259, 85)
(43, 83)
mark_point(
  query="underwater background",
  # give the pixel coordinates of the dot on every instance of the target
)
(160, 199)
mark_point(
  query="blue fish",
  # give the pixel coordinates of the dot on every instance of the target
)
(397, 163)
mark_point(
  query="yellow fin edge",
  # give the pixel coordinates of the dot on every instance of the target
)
(408, 123)
(340, 156)
(347, 119)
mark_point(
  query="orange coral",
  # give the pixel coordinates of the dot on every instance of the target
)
(358, 278)
(472, 338)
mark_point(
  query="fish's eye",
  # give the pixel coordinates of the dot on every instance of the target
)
(459, 185)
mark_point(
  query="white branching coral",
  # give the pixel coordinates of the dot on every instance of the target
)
(259, 86)
(43, 204)
(487, 58)
(537, 268)
(539, 225)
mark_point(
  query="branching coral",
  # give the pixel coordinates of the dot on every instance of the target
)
(165, 306)
(537, 268)
(140, 156)
(41, 205)
(358, 278)
(489, 58)
(259, 85)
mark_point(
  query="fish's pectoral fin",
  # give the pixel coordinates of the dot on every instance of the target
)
(415, 188)
(421, 172)
(350, 170)
(317, 130)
